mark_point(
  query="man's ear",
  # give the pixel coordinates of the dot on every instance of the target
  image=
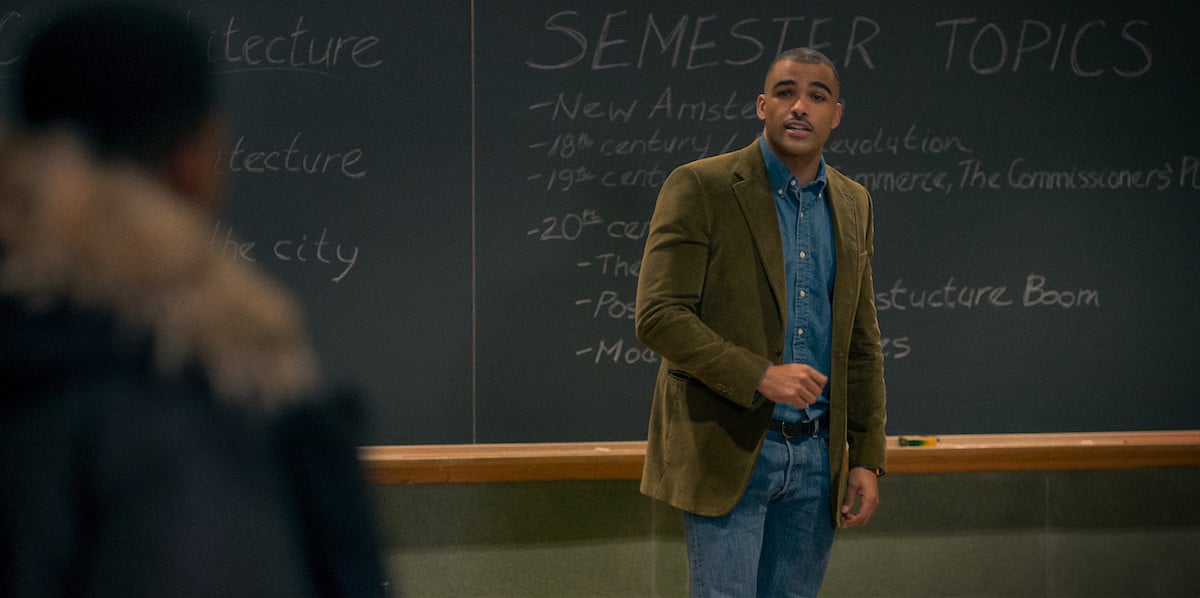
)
(191, 168)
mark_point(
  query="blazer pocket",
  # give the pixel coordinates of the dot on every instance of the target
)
(680, 375)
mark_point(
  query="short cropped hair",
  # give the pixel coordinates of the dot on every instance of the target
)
(132, 80)
(806, 56)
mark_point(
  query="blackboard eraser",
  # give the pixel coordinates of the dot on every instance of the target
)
(918, 441)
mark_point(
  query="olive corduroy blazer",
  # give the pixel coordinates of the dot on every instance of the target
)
(711, 300)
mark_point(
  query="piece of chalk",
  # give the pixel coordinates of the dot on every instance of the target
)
(918, 441)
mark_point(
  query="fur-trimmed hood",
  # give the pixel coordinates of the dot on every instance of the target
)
(114, 240)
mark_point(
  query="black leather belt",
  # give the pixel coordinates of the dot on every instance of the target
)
(798, 429)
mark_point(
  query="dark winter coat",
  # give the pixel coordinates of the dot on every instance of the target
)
(163, 431)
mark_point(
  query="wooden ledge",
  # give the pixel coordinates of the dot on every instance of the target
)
(504, 462)
(623, 460)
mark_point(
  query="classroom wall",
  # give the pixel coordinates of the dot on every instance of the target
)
(1126, 533)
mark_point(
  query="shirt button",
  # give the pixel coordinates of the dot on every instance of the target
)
(802, 255)
(799, 332)
(802, 294)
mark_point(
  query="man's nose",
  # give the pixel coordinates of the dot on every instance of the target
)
(799, 107)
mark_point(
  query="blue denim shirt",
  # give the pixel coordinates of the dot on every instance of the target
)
(807, 231)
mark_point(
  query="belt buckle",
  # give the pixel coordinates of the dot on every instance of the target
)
(785, 430)
(798, 429)
(809, 428)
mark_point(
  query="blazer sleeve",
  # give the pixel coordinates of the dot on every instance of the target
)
(670, 317)
(866, 407)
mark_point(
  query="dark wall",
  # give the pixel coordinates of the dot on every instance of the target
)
(459, 193)
(1026, 534)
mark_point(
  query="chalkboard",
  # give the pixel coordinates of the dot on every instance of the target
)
(459, 193)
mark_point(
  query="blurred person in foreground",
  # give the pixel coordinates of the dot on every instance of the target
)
(163, 427)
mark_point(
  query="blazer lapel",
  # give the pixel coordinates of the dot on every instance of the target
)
(752, 189)
(845, 240)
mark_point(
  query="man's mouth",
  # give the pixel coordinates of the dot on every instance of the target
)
(798, 127)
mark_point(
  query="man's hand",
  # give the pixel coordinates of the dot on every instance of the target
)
(793, 383)
(862, 487)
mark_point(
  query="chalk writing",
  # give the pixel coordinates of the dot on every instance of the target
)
(987, 51)
(621, 40)
(895, 347)
(618, 352)
(570, 109)
(613, 143)
(949, 296)
(693, 147)
(567, 227)
(293, 159)
(1036, 294)
(955, 296)
(613, 264)
(569, 179)
(905, 181)
(914, 140)
(573, 226)
(609, 304)
(8, 19)
(625, 352)
(1189, 172)
(582, 145)
(563, 179)
(1020, 176)
(732, 108)
(299, 49)
(565, 145)
(315, 251)
(646, 178)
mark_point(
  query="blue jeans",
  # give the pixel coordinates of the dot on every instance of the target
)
(776, 541)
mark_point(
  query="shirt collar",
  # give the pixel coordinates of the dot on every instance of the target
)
(781, 177)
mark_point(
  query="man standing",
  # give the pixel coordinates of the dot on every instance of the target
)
(767, 427)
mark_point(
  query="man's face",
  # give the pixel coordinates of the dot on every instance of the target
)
(799, 108)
